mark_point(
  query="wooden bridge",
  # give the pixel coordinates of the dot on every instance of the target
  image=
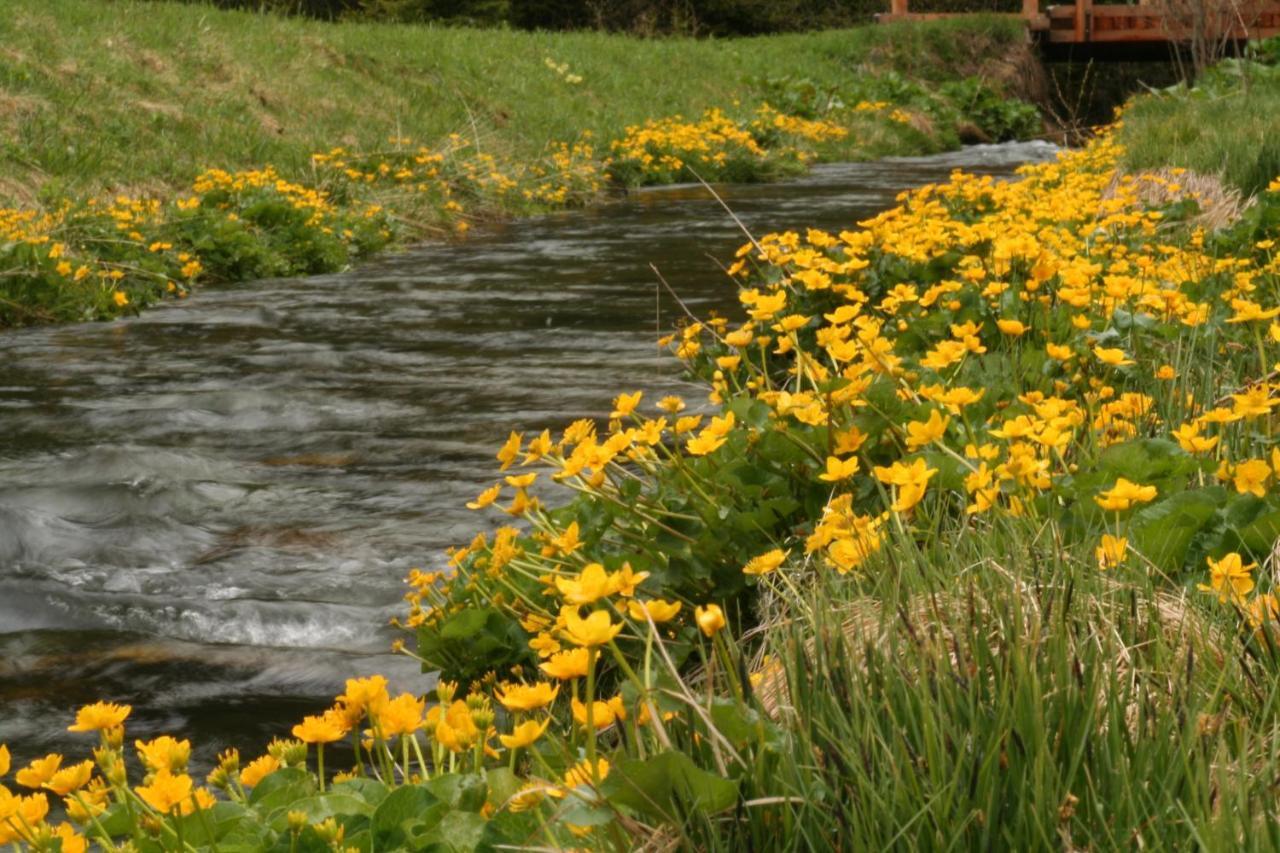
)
(1142, 31)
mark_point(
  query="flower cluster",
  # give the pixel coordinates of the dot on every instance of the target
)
(1048, 348)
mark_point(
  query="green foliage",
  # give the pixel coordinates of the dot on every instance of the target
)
(1223, 126)
(998, 117)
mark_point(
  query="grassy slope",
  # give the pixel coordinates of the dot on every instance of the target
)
(1233, 132)
(141, 95)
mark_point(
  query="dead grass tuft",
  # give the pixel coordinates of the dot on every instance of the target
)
(1220, 205)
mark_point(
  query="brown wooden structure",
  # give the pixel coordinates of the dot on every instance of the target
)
(1128, 29)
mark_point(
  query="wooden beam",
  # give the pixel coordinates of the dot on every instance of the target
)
(897, 7)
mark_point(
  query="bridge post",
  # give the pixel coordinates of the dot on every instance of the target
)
(897, 7)
(1083, 7)
(1030, 9)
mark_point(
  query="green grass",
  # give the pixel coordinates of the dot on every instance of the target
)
(102, 97)
(994, 691)
(1225, 126)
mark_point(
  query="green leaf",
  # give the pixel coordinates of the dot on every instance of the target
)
(319, 807)
(281, 788)
(667, 785)
(463, 791)
(403, 808)
(1163, 532)
(464, 625)
(456, 831)
(371, 791)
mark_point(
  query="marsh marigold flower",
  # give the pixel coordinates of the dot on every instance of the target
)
(526, 697)
(921, 433)
(911, 480)
(1112, 356)
(839, 469)
(524, 734)
(39, 771)
(656, 609)
(166, 791)
(591, 584)
(100, 716)
(322, 728)
(164, 752)
(1111, 551)
(710, 619)
(400, 716)
(1250, 477)
(1229, 577)
(71, 778)
(765, 563)
(595, 630)
(258, 769)
(568, 664)
(1125, 494)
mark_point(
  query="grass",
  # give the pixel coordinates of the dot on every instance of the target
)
(1226, 126)
(140, 96)
(1001, 693)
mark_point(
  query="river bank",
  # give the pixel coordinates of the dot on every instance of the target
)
(137, 150)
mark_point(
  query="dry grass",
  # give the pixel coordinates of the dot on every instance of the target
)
(1221, 206)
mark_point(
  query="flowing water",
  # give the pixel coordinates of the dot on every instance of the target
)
(208, 510)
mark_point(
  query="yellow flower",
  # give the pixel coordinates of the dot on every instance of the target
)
(839, 469)
(69, 839)
(1254, 402)
(4, 759)
(568, 664)
(524, 734)
(658, 610)
(704, 443)
(767, 562)
(911, 482)
(487, 497)
(580, 773)
(258, 769)
(1014, 328)
(166, 791)
(71, 778)
(568, 542)
(363, 696)
(322, 728)
(1111, 551)
(1125, 494)
(1190, 440)
(1251, 477)
(671, 405)
(625, 404)
(400, 716)
(603, 714)
(163, 753)
(509, 451)
(39, 771)
(121, 298)
(19, 814)
(527, 697)
(921, 433)
(595, 630)
(710, 619)
(1112, 356)
(99, 716)
(1059, 352)
(592, 584)
(1229, 578)
(1166, 372)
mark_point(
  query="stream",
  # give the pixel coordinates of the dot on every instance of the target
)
(207, 511)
